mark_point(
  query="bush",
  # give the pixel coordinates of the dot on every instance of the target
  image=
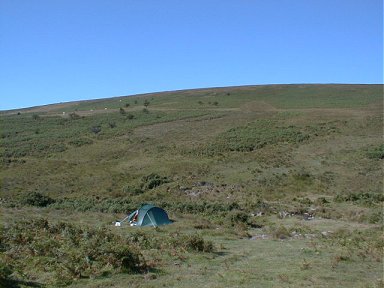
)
(130, 116)
(35, 117)
(236, 217)
(5, 274)
(152, 181)
(74, 116)
(367, 198)
(376, 152)
(96, 129)
(193, 243)
(128, 261)
(38, 199)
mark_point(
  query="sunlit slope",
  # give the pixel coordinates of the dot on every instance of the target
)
(265, 141)
(280, 96)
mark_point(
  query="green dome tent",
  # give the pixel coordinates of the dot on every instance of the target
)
(148, 215)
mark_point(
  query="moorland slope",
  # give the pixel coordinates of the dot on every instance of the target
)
(282, 184)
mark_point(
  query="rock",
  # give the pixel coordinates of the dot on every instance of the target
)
(308, 216)
(260, 236)
(326, 233)
(283, 214)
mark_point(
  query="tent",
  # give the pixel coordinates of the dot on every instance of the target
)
(147, 215)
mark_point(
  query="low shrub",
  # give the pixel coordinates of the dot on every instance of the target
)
(132, 190)
(67, 252)
(280, 232)
(235, 217)
(193, 242)
(115, 205)
(74, 116)
(152, 181)
(361, 244)
(376, 217)
(367, 198)
(96, 129)
(130, 116)
(258, 134)
(201, 207)
(257, 222)
(35, 116)
(203, 224)
(37, 199)
(302, 176)
(128, 203)
(376, 152)
(5, 274)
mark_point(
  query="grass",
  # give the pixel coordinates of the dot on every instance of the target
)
(305, 260)
(239, 169)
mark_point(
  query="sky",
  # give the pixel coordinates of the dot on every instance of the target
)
(55, 51)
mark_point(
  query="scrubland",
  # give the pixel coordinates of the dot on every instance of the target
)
(268, 186)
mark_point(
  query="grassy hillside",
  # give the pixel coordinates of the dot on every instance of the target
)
(243, 168)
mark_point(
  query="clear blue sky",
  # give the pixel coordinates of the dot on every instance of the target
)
(62, 50)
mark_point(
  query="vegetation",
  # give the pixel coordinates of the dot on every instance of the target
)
(37, 199)
(270, 186)
(67, 251)
(376, 152)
